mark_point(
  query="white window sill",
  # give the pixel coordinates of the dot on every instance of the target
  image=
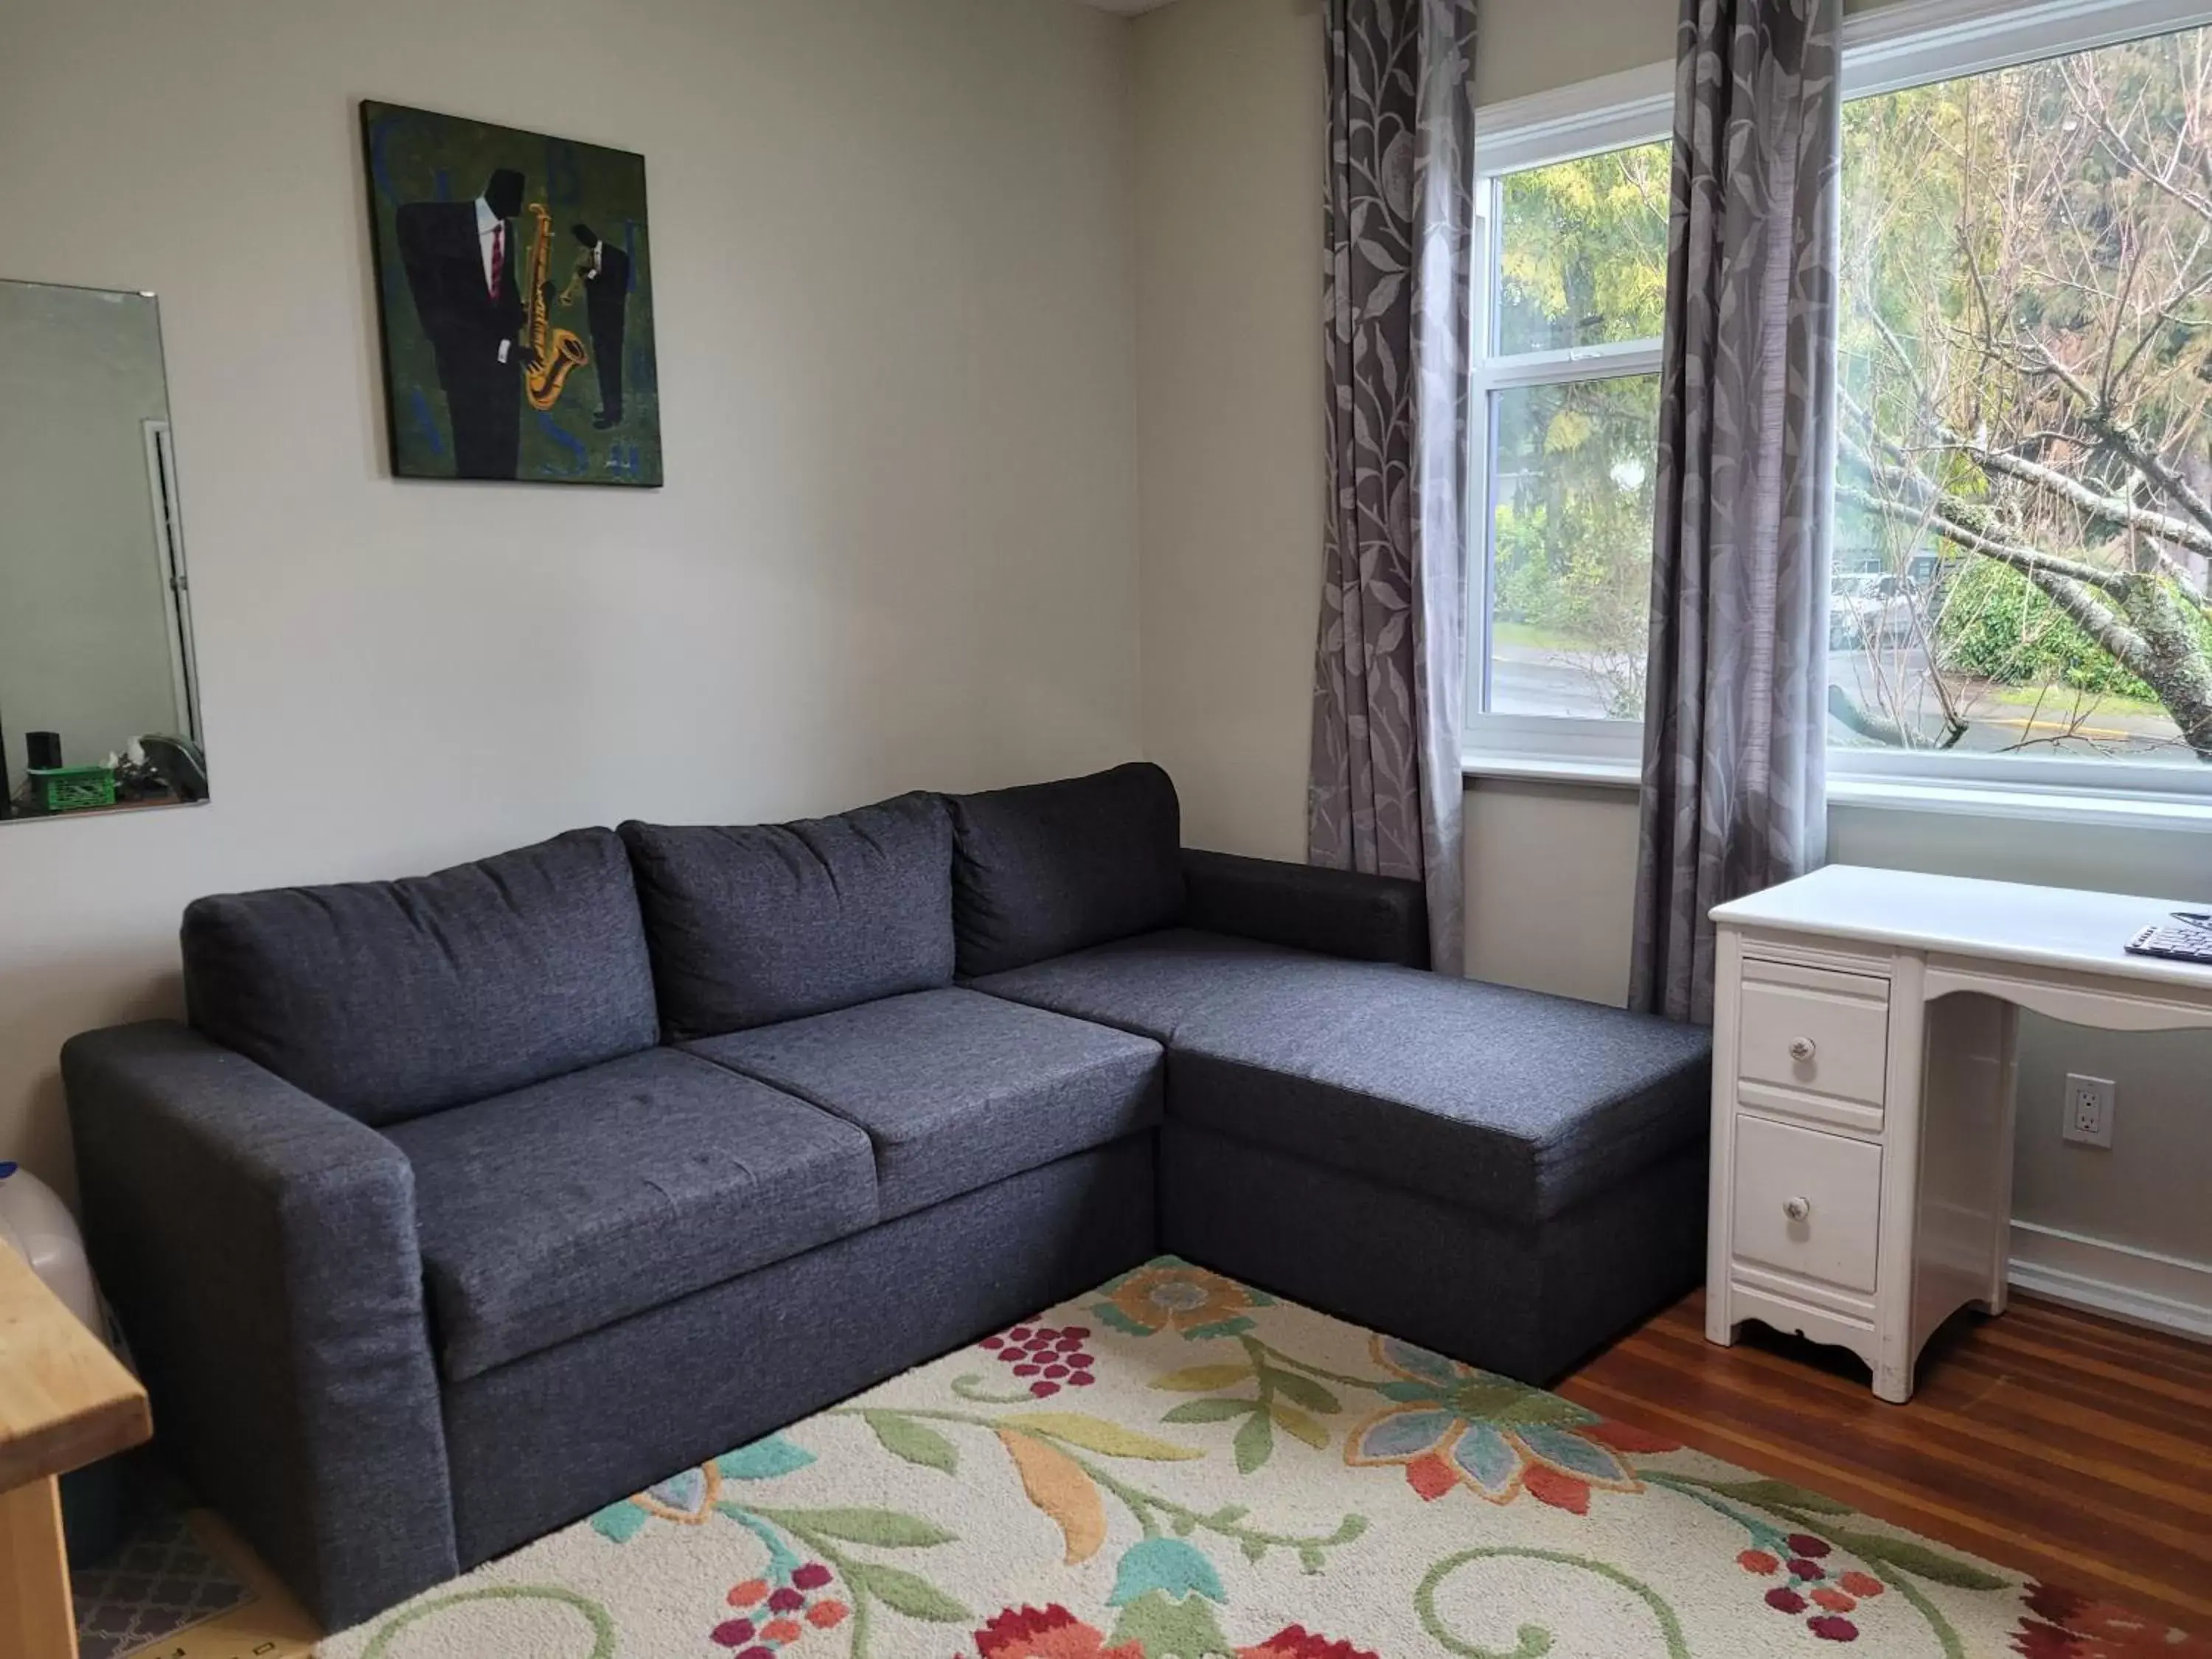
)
(2125, 809)
(2121, 809)
(1538, 769)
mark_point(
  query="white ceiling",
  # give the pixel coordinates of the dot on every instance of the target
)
(1127, 8)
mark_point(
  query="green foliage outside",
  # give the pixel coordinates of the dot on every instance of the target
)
(1583, 258)
(1998, 626)
(2025, 366)
(1582, 261)
(1572, 525)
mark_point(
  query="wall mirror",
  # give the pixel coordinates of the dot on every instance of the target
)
(98, 693)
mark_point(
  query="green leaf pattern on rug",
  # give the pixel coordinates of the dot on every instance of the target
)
(1161, 1627)
(917, 1443)
(1284, 1395)
(596, 1618)
(1533, 1640)
(1066, 1436)
(906, 1593)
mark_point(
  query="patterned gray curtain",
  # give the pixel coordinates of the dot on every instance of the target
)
(1734, 748)
(1385, 795)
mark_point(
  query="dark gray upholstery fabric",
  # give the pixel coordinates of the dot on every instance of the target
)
(1337, 913)
(1144, 984)
(1528, 1301)
(389, 999)
(1053, 867)
(1510, 1103)
(548, 1212)
(539, 1443)
(956, 1090)
(260, 1249)
(771, 921)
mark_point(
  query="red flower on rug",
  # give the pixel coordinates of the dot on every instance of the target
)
(768, 1614)
(2070, 1626)
(1806, 1589)
(1050, 1632)
(1454, 1425)
(1296, 1642)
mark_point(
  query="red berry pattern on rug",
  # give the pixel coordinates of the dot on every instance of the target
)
(1045, 1358)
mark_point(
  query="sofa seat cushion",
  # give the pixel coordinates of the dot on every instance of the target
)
(1510, 1103)
(568, 1204)
(955, 1088)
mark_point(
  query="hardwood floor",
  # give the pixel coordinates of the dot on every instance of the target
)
(2053, 1441)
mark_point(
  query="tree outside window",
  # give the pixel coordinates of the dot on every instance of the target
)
(2026, 345)
(2023, 540)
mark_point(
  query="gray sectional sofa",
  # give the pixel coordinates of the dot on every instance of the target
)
(467, 1204)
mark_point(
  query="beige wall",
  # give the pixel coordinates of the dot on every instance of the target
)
(1229, 412)
(1228, 117)
(897, 337)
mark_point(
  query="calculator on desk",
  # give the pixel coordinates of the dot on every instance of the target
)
(2186, 936)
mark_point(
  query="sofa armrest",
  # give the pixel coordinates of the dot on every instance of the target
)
(260, 1250)
(1338, 913)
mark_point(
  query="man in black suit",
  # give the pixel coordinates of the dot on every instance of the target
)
(605, 270)
(460, 258)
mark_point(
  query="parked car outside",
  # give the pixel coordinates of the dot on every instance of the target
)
(1867, 610)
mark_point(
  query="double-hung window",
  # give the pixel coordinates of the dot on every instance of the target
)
(1571, 295)
(2021, 590)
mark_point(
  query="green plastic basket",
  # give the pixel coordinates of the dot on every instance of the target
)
(72, 788)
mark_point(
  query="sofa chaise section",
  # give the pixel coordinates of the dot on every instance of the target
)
(1331, 1121)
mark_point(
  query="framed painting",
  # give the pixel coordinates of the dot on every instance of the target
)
(515, 288)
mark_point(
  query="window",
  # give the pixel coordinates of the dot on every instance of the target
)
(2021, 591)
(2022, 544)
(1574, 287)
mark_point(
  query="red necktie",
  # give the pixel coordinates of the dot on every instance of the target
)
(498, 255)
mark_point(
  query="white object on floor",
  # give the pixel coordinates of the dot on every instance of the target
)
(1864, 1081)
(39, 1227)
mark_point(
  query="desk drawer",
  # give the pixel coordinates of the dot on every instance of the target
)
(1807, 1203)
(1817, 1032)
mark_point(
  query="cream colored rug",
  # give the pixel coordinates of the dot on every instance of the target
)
(1177, 1467)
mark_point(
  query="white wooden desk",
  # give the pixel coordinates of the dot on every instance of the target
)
(1863, 1090)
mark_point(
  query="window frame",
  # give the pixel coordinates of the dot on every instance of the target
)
(1540, 746)
(1904, 44)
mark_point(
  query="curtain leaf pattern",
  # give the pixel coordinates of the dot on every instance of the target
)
(1735, 755)
(1390, 674)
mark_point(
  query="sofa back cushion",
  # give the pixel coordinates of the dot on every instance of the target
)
(1053, 867)
(391, 999)
(768, 922)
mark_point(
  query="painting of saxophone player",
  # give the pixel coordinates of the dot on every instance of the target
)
(605, 272)
(497, 333)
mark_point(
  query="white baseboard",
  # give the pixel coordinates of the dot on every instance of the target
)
(2140, 1286)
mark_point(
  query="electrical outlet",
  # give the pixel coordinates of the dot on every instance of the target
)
(2089, 1103)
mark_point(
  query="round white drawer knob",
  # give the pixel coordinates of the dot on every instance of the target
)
(1797, 1209)
(1801, 1048)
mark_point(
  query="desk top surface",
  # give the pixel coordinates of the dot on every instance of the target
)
(64, 1399)
(2063, 928)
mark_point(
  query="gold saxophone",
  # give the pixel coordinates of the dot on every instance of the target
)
(555, 353)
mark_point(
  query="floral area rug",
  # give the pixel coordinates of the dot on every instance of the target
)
(1177, 1467)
